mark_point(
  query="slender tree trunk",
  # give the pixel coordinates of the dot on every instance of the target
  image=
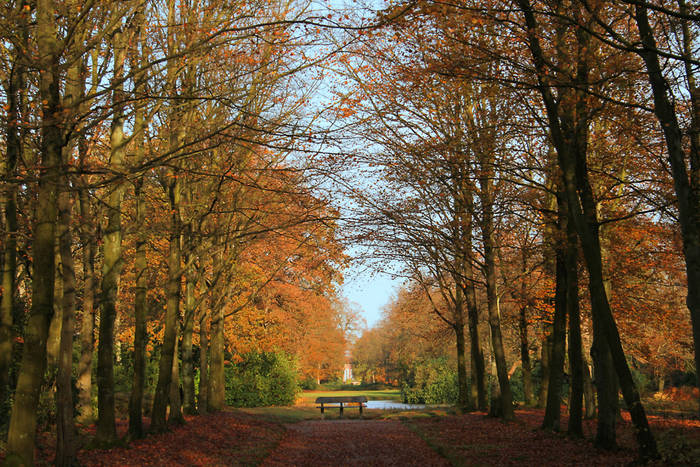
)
(464, 402)
(189, 406)
(87, 326)
(112, 262)
(65, 425)
(140, 263)
(203, 363)
(556, 370)
(21, 435)
(172, 314)
(9, 259)
(477, 357)
(576, 362)
(506, 396)
(140, 313)
(175, 416)
(570, 137)
(216, 390)
(687, 188)
(526, 364)
(589, 397)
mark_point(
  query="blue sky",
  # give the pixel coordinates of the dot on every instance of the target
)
(371, 291)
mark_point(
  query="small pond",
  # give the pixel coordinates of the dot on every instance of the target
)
(393, 405)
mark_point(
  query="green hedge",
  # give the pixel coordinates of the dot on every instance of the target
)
(262, 379)
(432, 381)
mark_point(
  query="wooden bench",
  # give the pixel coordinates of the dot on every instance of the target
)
(340, 402)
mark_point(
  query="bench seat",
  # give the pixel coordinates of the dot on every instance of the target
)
(341, 402)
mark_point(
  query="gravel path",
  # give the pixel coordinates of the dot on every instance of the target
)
(352, 442)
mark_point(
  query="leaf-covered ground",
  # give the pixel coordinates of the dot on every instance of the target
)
(295, 436)
(352, 442)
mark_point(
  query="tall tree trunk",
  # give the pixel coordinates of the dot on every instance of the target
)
(216, 390)
(476, 352)
(486, 184)
(189, 406)
(9, 241)
(112, 262)
(87, 325)
(140, 264)
(525, 362)
(140, 314)
(175, 416)
(576, 362)
(172, 313)
(65, 426)
(569, 135)
(687, 188)
(556, 369)
(21, 435)
(589, 397)
(463, 400)
(202, 404)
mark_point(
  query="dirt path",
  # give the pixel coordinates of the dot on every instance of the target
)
(352, 442)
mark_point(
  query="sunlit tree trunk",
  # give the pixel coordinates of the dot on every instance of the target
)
(21, 435)
(505, 397)
(14, 93)
(65, 426)
(189, 406)
(216, 389)
(175, 416)
(112, 262)
(87, 326)
(202, 403)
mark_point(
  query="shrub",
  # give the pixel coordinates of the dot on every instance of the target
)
(309, 384)
(262, 379)
(431, 381)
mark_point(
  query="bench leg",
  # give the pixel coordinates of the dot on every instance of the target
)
(341, 410)
(360, 409)
(323, 416)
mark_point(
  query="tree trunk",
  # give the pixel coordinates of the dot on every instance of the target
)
(589, 397)
(216, 395)
(22, 431)
(189, 406)
(140, 314)
(477, 355)
(112, 262)
(575, 347)
(569, 135)
(140, 263)
(13, 140)
(65, 426)
(687, 189)
(172, 314)
(525, 363)
(556, 369)
(87, 326)
(202, 404)
(506, 396)
(175, 417)
(463, 400)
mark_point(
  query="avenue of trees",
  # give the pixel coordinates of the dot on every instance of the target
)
(179, 179)
(530, 169)
(154, 225)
